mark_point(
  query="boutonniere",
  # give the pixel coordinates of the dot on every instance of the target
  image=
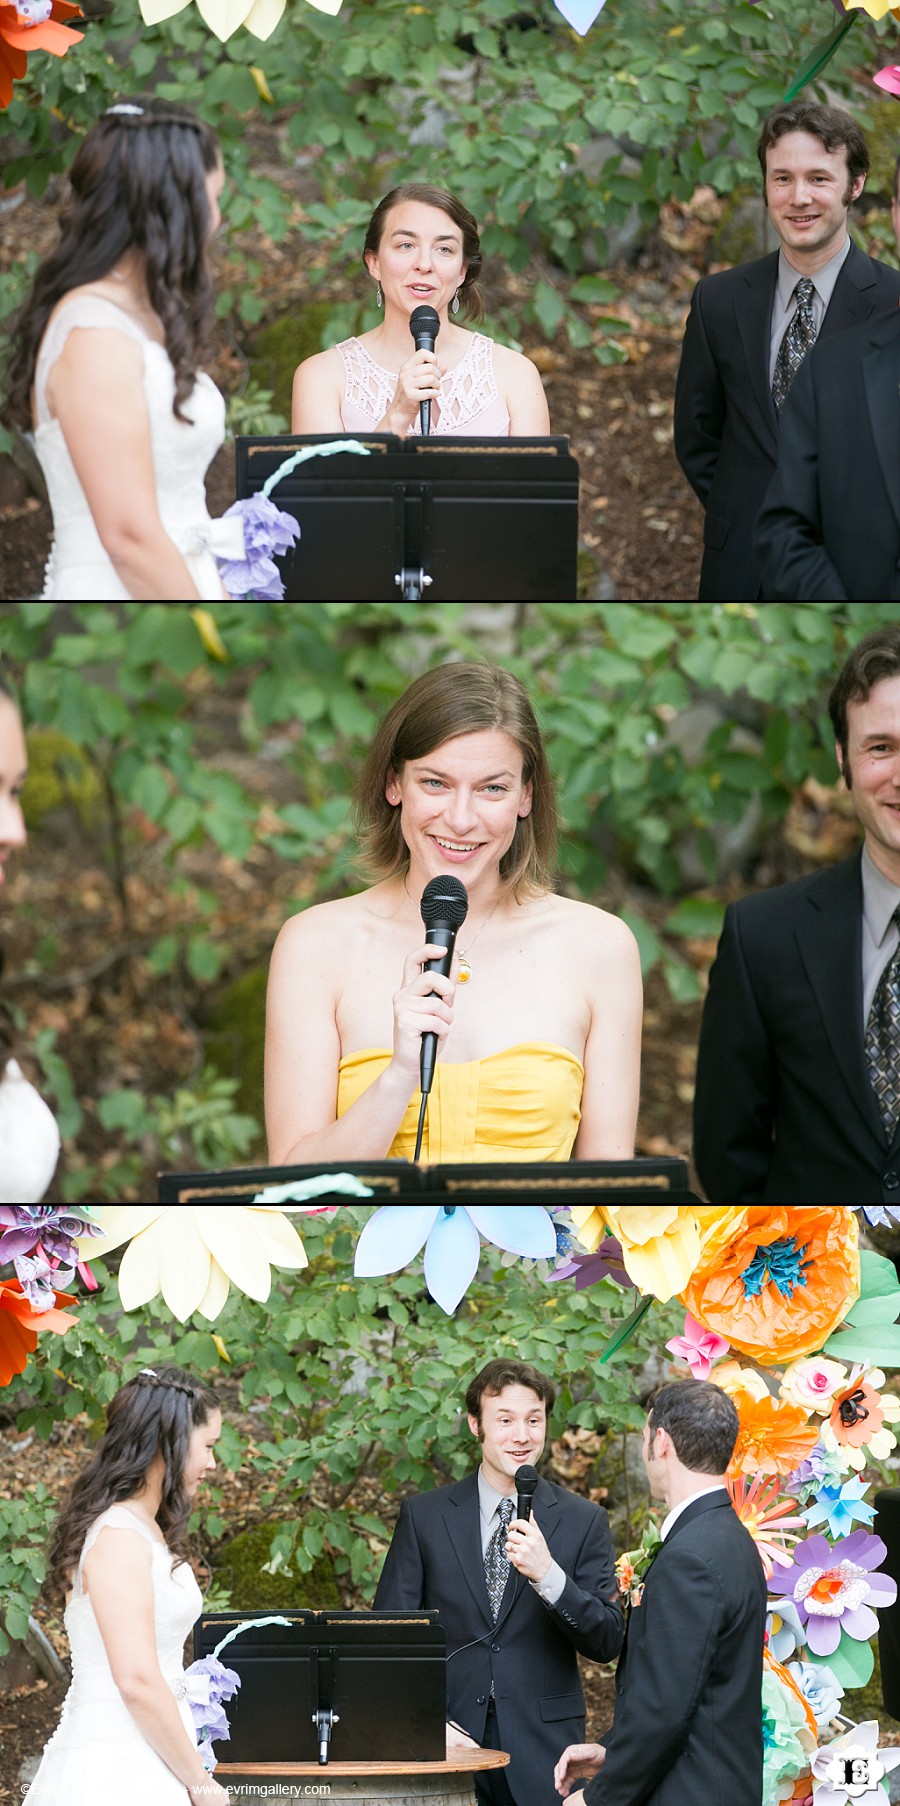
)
(631, 1567)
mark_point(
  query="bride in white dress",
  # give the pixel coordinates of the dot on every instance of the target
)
(104, 364)
(126, 1735)
(29, 1137)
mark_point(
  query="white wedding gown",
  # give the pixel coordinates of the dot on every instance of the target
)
(79, 568)
(97, 1756)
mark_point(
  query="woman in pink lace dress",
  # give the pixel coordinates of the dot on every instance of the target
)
(421, 249)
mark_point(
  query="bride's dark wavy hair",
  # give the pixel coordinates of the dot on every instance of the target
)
(138, 182)
(154, 1413)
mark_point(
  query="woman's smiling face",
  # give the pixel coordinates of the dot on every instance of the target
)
(462, 803)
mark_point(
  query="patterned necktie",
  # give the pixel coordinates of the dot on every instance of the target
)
(496, 1560)
(883, 1041)
(799, 336)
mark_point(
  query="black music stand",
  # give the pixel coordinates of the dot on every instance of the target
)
(358, 1686)
(444, 519)
(550, 1182)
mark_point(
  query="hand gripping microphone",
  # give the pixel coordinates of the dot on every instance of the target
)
(444, 906)
(425, 325)
(526, 1481)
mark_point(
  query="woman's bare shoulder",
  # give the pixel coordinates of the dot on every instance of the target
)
(322, 922)
(322, 365)
(604, 931)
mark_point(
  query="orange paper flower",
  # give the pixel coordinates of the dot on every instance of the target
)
(774, 1436)
(19, 36)
(19, 1325)
(764, 1514)
(776, 1282)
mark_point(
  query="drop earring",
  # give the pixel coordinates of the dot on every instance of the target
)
(379, 298)
(454, 309)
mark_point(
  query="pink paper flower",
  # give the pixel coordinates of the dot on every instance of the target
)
(699, 1347)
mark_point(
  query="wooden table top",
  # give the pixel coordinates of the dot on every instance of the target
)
(458, 1762)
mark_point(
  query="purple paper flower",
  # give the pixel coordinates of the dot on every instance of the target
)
(605, 1263)
(39, 1240)
(207, 1683)
(268, 532)
(835, 1588)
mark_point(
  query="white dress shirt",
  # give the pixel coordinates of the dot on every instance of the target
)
(676, 1511)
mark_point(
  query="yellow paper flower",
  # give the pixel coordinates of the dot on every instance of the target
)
(731, 1377)
(192, 1253)
(661, 1243)
(224, 17)
(876, 9)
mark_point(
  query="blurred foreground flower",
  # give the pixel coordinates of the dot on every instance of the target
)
(192, 1253)
(450, 1235)
(32, 25)
(224, 17)
(19, 1325)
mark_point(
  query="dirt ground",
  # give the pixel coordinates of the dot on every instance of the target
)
(637, 517)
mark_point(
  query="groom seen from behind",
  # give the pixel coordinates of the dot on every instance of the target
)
(687, 1728)
(519, 1601)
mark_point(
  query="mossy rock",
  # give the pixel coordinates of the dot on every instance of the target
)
(60, 776)
(235, 1046)
(239, 1571)
(279, 347)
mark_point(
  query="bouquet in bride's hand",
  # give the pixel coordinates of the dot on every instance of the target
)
(209, 1684)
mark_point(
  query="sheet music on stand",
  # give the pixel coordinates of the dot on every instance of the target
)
(641, 1181)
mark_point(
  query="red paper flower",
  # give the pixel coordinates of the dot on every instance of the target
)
(19, 1324)
(21, 32)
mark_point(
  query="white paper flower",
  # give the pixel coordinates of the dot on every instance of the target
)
(224, 17)
(192, 1253)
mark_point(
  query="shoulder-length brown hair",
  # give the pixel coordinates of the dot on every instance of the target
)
(152, 1414)
(450, 700)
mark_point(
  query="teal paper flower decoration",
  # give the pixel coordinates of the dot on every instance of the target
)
(451, 1236)
(838, 1506)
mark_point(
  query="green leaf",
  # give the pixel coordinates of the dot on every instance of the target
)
(879, 1344)
(625, 1329)
(696, 917)
(822, 54)
(879, 1295)
(852, 1663)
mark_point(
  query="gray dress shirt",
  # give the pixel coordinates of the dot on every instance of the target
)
(880, 935)
(784, 305)
(550, 1588)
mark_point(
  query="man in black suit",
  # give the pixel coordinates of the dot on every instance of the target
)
(798, 1076)
(517, 1599)
(829, 528)
(687, 1727)
(749, 328)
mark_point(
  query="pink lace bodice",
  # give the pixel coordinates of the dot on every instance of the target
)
(469, 402)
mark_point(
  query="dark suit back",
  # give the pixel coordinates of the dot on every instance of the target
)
(435, 1560)
(830, 525)
(726, 428)
(784, 1111)
(688, 1721)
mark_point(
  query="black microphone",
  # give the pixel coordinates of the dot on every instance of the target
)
(425, 325)
(444, 906)
(526, 1481)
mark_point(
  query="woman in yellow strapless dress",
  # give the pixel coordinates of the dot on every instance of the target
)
(538, 1025)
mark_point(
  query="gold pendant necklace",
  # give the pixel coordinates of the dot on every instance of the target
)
(465, 969)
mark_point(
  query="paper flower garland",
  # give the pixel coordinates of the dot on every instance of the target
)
(30, 25)
(191, 1254)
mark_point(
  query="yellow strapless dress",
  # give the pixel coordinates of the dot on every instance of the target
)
(521, 1104)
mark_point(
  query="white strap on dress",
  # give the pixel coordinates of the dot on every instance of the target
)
(115, 1517)
(85, 310)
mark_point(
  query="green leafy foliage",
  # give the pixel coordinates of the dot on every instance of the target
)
(493, 101)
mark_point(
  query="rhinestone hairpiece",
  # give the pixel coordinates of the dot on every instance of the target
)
(125, 106)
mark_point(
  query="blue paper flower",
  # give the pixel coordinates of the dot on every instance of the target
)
(838, 1505)
(882, 1214)
(820, 1688)
(450, 1235)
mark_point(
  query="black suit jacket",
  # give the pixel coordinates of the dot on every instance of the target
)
(726, 428)
(784, 1111)
(435, 1560)
(829, 528)
(687, 1729)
